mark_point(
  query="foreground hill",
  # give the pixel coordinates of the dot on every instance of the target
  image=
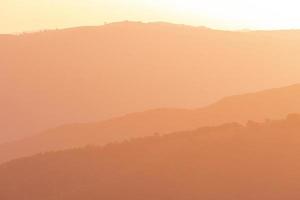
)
(274, 103)
(95, 73)
(257, 161)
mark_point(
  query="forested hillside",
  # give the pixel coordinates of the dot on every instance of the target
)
(257, 161)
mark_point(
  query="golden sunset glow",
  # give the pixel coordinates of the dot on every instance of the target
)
(149, 99)
(231, 14)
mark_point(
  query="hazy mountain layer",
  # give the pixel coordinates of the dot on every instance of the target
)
(274, 103)
(94, 73)
(257, 161)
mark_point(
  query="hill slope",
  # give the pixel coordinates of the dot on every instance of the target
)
(94, 73)
(257, 161)
(274, 103)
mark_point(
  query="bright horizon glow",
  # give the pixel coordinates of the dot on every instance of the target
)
(19, 15)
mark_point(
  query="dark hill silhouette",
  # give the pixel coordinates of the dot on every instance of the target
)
(259, 106)
(257, 161)
(94, 73)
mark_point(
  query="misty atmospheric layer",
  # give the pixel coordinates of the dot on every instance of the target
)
(145, 100)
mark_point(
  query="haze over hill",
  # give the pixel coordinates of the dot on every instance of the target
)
(257, 161)
(259, 106)
(93, 73)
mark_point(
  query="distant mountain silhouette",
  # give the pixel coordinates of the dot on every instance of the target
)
(259, 106)
(94, 73)
(257, 161)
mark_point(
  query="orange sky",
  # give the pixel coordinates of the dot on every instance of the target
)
(20, 15)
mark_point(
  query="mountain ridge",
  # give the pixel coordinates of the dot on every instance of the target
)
(61, 77)
(159, 23)
(274, 104)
